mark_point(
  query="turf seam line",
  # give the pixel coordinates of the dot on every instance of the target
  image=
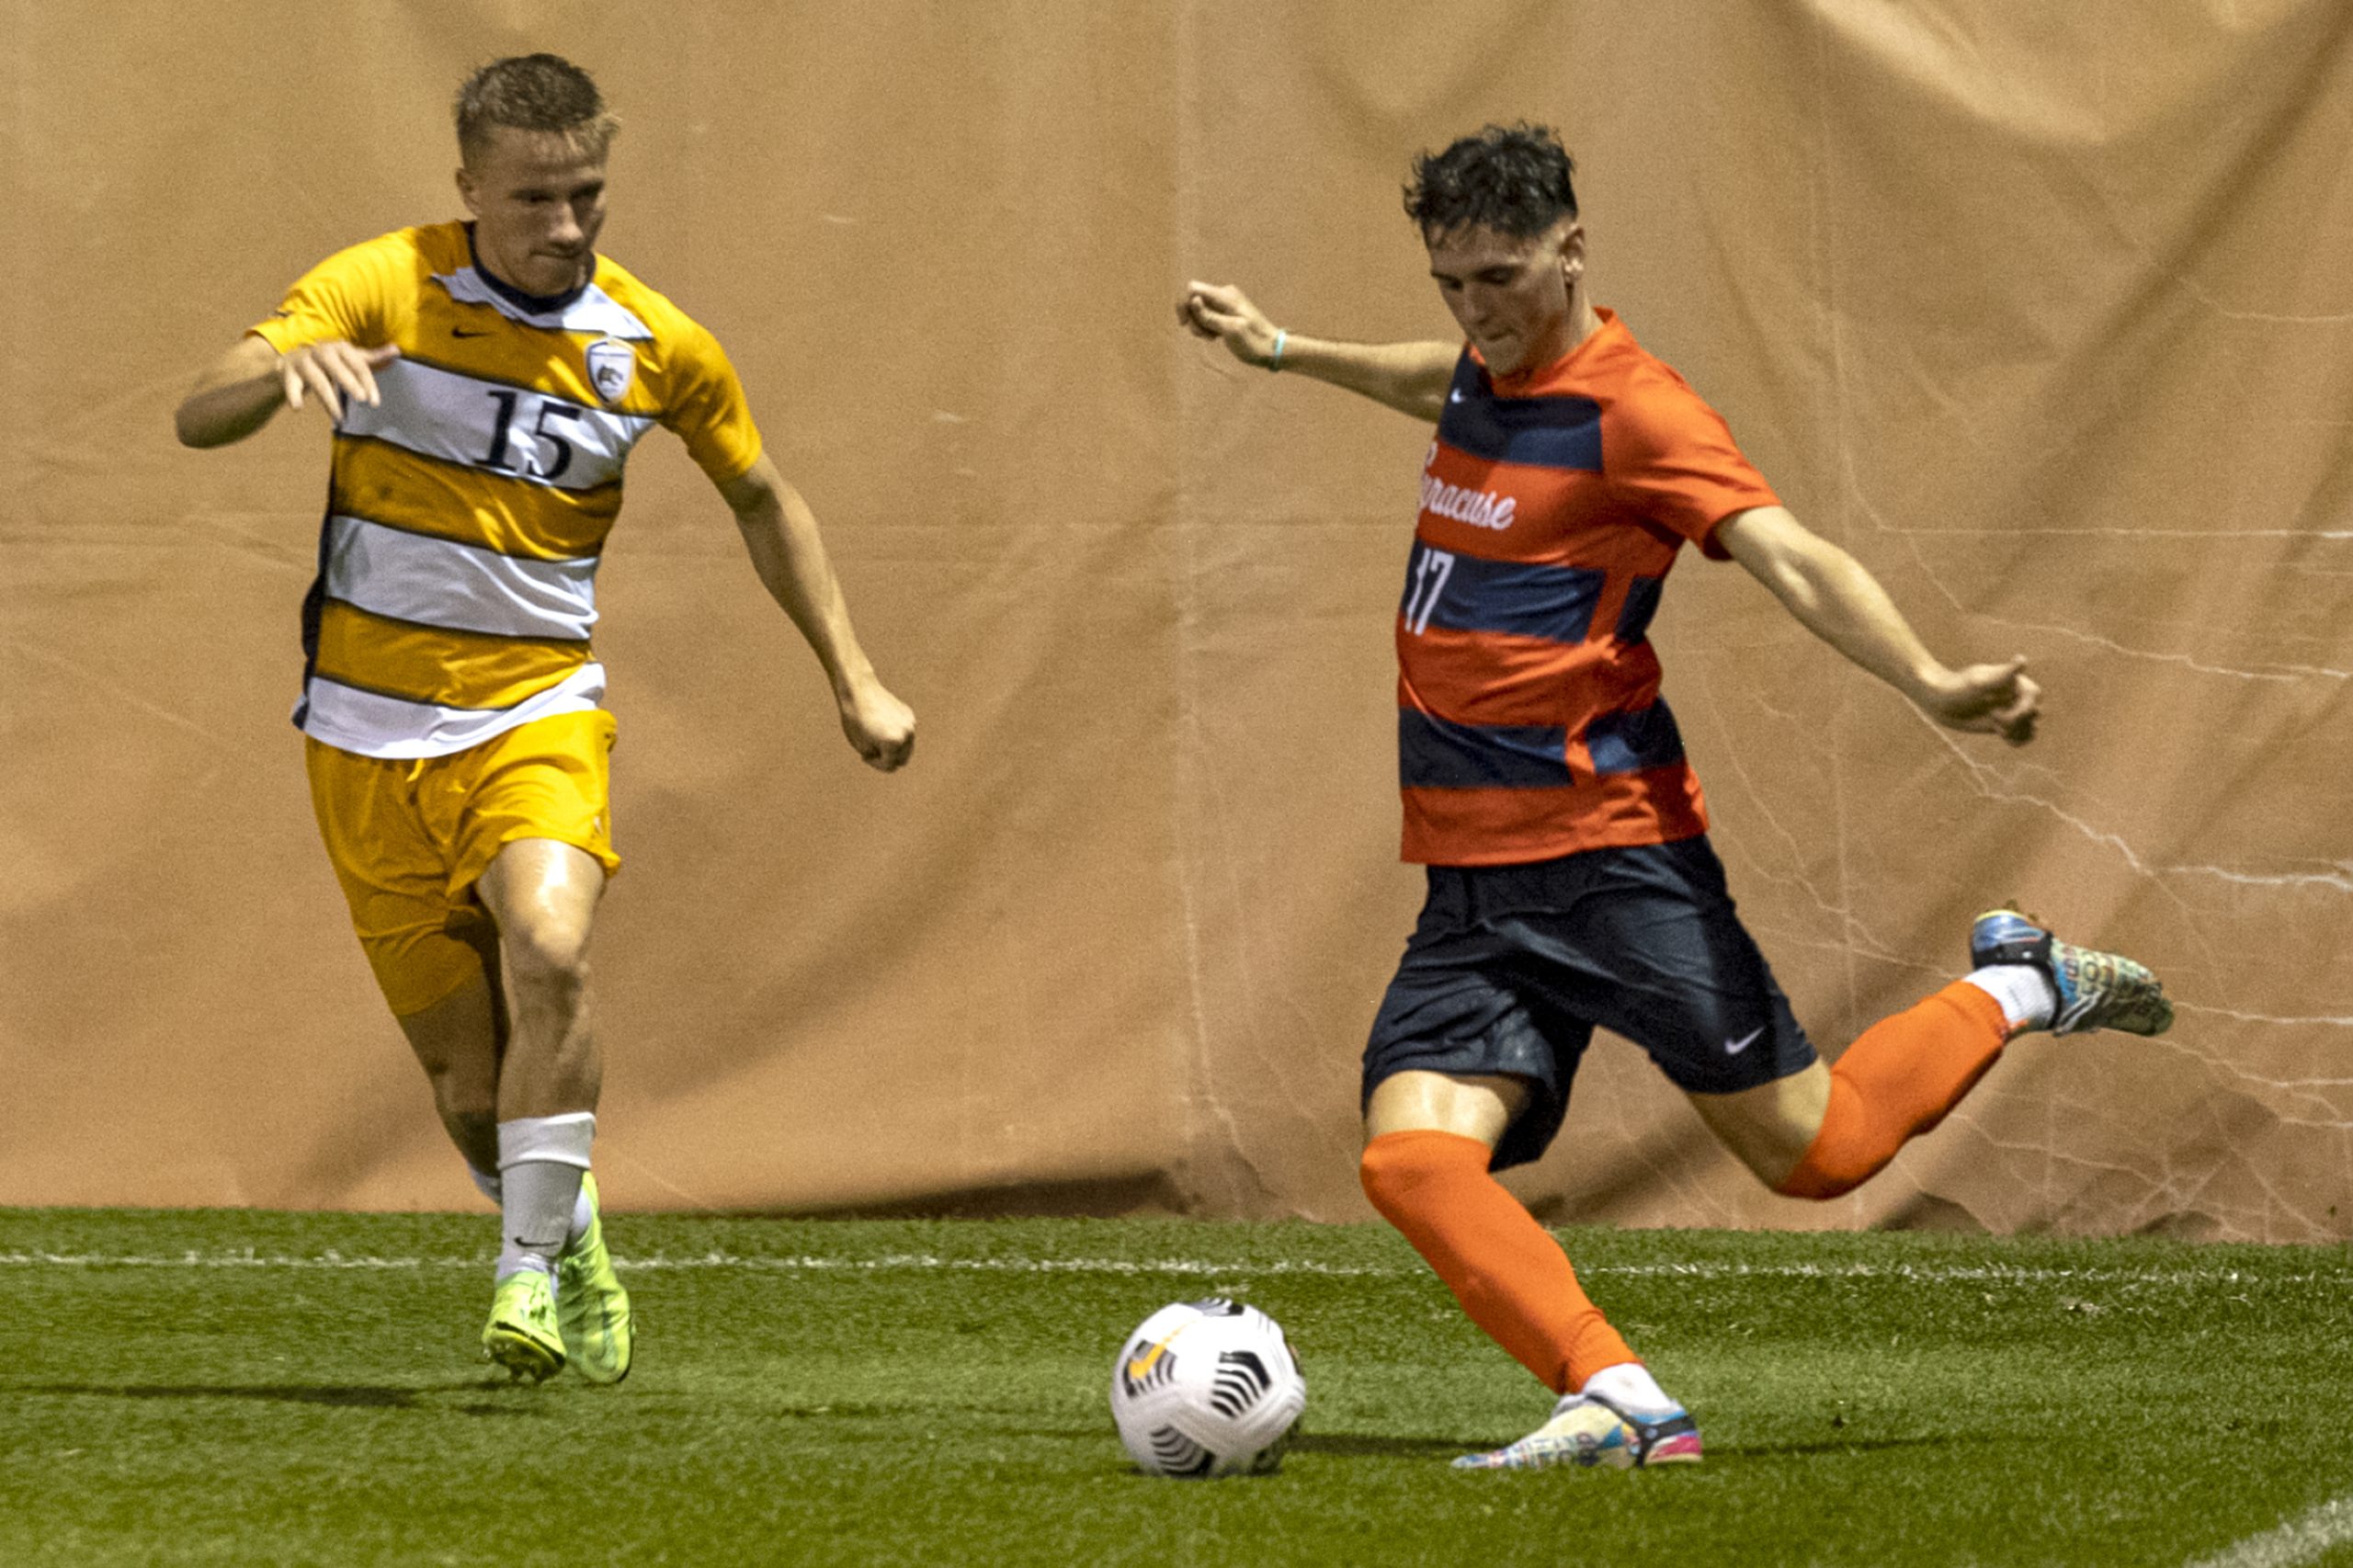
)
(1992, 1274)
(2301, 1540)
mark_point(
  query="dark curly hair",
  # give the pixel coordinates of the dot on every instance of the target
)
(1512, 178)
(533, 92)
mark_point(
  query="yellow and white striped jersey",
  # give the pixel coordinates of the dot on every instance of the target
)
(457, 561)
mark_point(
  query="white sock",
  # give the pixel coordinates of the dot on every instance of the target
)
(583, 1213)
(540, 1159)
(1630, 1386)
(2028, 998)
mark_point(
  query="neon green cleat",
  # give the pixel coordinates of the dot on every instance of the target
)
(591, 1307)
(521, 1334)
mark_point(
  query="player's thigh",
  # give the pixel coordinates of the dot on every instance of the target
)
(394, 875)
(1770, 1128)
(532, 830)
(543, 895)
(1468, 1106)
(1684, 979)
(1460, 1035)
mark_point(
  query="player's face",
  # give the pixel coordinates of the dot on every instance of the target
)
(538, 200)
(1511, 296)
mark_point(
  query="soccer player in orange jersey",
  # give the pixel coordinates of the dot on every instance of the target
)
(1571, 882)
(487, 380)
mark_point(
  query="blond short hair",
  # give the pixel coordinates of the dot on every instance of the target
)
(533, 92)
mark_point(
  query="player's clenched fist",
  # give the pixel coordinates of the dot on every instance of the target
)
(881, 727)
(1225, 313)
(332, 372)
(1989, 699)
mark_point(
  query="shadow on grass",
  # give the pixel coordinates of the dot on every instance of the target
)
(349, 1396)
(1365, 1446)
(1840, 1446)
(1357, 1444)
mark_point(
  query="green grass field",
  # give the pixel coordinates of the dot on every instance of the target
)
(243, 1388)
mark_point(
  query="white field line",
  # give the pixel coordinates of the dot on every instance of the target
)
(2297, 1541)
(1928, 1274)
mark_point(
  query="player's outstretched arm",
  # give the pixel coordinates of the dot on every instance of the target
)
(1411, 378)
(1834, 597)
(248, 385)
(781, 535)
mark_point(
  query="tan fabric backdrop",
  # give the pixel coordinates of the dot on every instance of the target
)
(2044, 311)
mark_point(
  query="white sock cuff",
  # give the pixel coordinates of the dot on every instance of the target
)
(485, 1183)
(2028, 998)
(555, 1140)
(1630, 1386)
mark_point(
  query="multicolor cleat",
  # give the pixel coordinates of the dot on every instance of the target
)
(522, 1336)
(1588, 1431)
(592, 1310)
(2095, 990)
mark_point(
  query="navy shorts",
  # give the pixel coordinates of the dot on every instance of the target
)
(1511, 968)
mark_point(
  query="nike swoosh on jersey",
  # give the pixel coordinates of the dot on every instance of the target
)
(1735, 1047)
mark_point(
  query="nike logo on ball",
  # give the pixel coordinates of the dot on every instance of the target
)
(1735, 1047)
(1138, 1366)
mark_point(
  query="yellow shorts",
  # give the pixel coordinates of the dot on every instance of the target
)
(410, 837)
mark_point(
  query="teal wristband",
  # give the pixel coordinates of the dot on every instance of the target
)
(1275, 363)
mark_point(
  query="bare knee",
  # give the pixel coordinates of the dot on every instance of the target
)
(1771, 1161)
(543, 895)
(1770, 1129)
(547, 957)
(1471, 1106)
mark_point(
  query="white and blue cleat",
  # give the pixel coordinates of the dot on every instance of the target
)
(2095, 990)
(1588, 1432)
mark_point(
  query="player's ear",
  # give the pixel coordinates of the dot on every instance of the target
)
(466, 190)
(1573, 252)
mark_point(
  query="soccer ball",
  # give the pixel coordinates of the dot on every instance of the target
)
(1207, 1388)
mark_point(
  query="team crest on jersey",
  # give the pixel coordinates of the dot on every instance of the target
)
(612, 365)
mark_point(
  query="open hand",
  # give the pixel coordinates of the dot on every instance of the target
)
(333, 373)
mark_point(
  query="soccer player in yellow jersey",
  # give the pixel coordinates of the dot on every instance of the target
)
(487, 380)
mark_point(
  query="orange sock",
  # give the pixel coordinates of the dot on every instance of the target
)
(1897, 1081)
(1505, 1269)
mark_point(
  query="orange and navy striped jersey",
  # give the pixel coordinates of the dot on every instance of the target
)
(466, 513)
(1530, 723)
